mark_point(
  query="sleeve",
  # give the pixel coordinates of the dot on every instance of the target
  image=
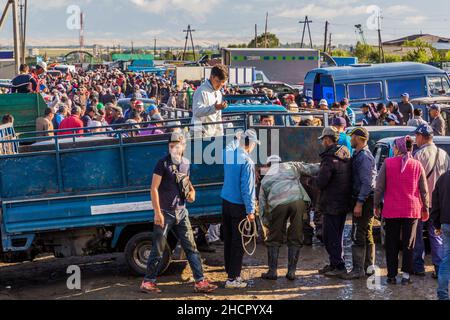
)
(262, 201)
(248, 187)
(34, 84)
(200, 107)
(159, 168)
(380, 186)
(325, 173)
(423, 185)
(435, 215)
(365, 174)
(306, 169)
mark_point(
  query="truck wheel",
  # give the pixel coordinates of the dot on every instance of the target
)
(137, 251)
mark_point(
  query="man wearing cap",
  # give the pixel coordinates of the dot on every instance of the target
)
(436, 162)
(283, 199)
(323, 104)
(364, 177)
(72, 122)
(208, 104)
(170, 214)
(406, 108)
(344, 140)
(349, 114)
(335, 184)
(437, 123)
(90, 114)
(311, 104)
(370, 116)
(117, 117)
(239, 203)
(392, 120)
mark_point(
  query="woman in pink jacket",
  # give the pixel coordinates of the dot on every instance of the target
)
(402, 182)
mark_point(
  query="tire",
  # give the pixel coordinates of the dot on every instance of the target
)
(137, 251)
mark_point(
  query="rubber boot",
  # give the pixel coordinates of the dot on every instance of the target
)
(293, 255)
(272, 255)
(358, 255)
(370, 259)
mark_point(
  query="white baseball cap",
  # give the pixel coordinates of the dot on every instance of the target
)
(273, 158)
(42, 64)
(323, 102)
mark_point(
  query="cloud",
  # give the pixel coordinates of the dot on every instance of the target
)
(399, 10)
(325, 12)
(197, 8)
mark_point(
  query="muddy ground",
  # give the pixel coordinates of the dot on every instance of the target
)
(107, 277)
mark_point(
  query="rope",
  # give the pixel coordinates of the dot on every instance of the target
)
(249, 234)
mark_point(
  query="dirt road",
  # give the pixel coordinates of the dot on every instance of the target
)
(107, 277)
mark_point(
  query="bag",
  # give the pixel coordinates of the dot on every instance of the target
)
(183, 182)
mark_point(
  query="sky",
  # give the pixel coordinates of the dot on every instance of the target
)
(113, 22)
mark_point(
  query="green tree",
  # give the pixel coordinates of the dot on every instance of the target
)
(364, 52)
(340, 53)
(418, 55)
(272, 41)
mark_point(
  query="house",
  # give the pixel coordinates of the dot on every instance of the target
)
(399, 46)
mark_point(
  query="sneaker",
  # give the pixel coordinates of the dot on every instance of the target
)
(336, 273)
(204, 287)
(406, 281)
(237, 283)
(326, 269)
(149, 287)
(392, 281)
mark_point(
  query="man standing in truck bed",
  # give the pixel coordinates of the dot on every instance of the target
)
(208, 104)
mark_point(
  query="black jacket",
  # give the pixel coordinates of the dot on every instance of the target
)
(335, 181)
(440, 212)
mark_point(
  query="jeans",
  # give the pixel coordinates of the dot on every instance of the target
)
(333, 238)
(232, 215)
(419, 249)
(444, 267)
(178, 222)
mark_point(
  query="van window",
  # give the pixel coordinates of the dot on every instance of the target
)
(340, 92)
(438, 86)
(415, 88)
(365, 91)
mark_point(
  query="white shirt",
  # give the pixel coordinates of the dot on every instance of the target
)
(204, 111)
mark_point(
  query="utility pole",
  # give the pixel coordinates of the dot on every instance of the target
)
(24, 40)
(154, 47)
(325, 43)
(16, 31)
(265, 31)
(306, 24)
(132, 47)
(189, 34)
(329, 43)
(380, 42)
(256, 36)
(22, 49)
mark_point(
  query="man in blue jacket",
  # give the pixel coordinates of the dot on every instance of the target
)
(364, 176)
(239, 202)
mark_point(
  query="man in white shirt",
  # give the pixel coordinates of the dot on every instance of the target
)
(207, 104)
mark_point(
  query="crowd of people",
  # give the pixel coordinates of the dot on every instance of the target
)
(408, 192)
(346, 181)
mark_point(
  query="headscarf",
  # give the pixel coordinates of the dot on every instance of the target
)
(400, 144)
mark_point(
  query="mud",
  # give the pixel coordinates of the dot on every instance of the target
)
(107, 277)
